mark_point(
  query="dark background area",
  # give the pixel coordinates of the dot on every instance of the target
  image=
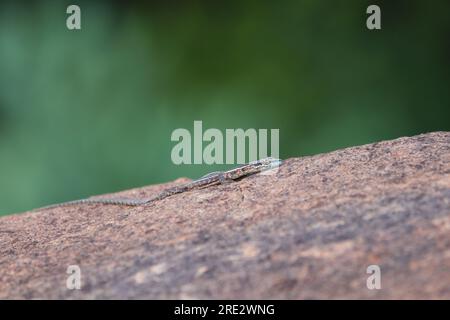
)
(91, 111)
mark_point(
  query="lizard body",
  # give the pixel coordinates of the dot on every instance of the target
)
(210, 179)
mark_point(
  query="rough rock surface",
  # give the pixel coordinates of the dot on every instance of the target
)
(308, 231)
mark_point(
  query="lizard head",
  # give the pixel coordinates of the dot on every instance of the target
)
(266, 163)
(253, 167)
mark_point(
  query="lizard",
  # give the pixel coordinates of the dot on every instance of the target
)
(213, 178)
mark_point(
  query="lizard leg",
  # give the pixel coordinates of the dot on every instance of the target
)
(223, 179)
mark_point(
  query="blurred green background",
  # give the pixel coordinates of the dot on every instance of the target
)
(91, 111)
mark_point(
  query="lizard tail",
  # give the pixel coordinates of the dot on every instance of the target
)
(122, 202)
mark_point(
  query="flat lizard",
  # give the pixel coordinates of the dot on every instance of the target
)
(210, 179)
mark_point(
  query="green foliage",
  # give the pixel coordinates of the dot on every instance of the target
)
(91, 111)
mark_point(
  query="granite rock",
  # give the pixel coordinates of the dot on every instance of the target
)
(308, 231)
